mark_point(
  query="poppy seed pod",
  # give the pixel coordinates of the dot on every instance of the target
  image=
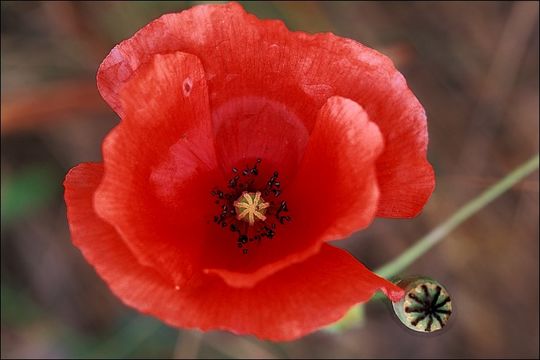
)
(426, 306)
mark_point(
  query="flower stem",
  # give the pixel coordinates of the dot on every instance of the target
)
(400, 263)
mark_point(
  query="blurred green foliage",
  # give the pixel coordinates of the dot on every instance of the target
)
(26, 190)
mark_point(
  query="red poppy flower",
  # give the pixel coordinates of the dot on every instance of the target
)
(244, 148)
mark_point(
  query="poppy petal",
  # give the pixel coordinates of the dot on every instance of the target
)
(244, 56)
(336, 184)
(333, 194)
(159, 164)
(250, 128)
(284, 306)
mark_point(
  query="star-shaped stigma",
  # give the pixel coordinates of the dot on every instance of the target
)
(250, 206)
(427, 307)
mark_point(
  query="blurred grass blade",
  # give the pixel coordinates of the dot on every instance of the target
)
(408, 257)
(421, 246)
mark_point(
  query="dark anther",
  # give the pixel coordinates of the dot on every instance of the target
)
(282, 208)
(268, 232)
(245, 251)
(282, 219)
(243, 179)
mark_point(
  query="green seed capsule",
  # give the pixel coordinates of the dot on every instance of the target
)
(426, 306)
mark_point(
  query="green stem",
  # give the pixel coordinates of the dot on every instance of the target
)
(400, 263)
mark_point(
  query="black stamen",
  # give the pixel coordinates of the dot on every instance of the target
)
(282, 219)
(244, 180)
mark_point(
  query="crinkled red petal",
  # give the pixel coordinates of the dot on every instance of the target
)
(160, 166)
(250, 128)
(333, 194)
(247, 57)
(284, 306)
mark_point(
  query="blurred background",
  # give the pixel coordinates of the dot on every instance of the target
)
(473, 65)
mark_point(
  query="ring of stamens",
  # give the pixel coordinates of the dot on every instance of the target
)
(250, 206)
(257, 216)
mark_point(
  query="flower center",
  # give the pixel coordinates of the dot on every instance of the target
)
(250, 206)
(244, 211)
